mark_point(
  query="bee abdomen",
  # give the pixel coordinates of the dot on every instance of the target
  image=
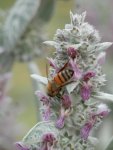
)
(63, 76)
(67, 74)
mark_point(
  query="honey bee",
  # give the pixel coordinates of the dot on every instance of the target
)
(61, 79)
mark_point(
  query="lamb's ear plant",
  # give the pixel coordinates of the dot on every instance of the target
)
(79, 106)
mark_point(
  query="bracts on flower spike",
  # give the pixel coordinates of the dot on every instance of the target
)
(86, 87)
(46, 102)
(65, 111)
(61, 120)
(102, 111)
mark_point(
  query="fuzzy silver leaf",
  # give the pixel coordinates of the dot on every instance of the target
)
(103, 96)
(34, 136)
(102, 46)
(40, 79)
(51, 44)
(93, 140)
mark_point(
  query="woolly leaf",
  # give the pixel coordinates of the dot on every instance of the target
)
(34, 136)
(93, 140)
(83, 16)
(110, 145)
(103, 96)
(51, 44)
(101, 58)
(40, 79)
(102, 46)
(18, 20)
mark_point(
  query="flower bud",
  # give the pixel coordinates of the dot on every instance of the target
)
(103, 110)
(48, 138)
(47, 113)
(72, 52)
(85, 91)
(88, 75)
(86, 130)
(48, 141)
(60, 122)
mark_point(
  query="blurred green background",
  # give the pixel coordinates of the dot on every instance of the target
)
(99, 14)
(21, 85)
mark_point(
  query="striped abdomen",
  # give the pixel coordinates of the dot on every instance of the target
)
(63, 76)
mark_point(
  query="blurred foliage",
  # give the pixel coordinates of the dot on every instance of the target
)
(48, 8)
(21, 90)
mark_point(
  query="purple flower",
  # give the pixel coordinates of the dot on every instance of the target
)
(48, 138)
(72, 52)
(77, 71)
(47, 141)
(52, 64)
(86, 130)
(102, 110)
(44, 98)
(85, 91)
(47, 113)
(66, 101)
(60, 121)
(88, 75)
(19, 146)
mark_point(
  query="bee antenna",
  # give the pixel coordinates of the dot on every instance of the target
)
(47, 72)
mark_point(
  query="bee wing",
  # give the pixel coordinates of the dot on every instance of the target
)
(40, 79)
(70, 87)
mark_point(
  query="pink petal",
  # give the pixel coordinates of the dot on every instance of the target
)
(77, 71)
(48, 137)
(66, 101)
(85, 91)
(47, 114)
(52, 64)
(44, 98)
(19, 146)
(86, 130)
(88, 75)
(60, 122)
